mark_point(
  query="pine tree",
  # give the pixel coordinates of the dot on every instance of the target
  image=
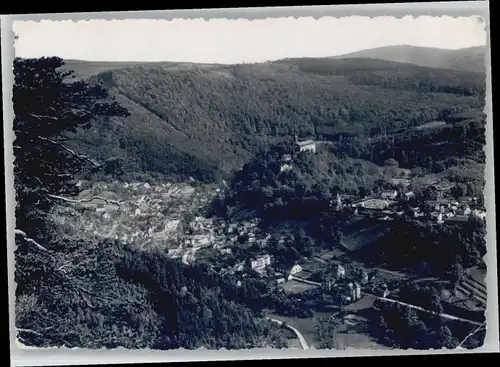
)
(47, 103)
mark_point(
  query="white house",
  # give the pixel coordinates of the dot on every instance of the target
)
(239, 267)
(392, 194)
(340, 272)
(479, 213)
(364, 277)
(172, 225)
(409, 194)
(328, 284)
(295, 269)
(203, 240)
(306, 145)
(261, 262)
(357, 290)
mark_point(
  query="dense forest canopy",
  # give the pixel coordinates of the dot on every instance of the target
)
(204, 121)
(430, 248)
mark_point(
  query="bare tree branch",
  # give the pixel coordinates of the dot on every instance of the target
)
(30, 240)
(33, 331)
(81, 156)
(43, 117)
(86, 300)
(62, 268)
(109, 201)
(29, 331)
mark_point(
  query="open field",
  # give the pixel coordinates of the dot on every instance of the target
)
(293, 341)
(328, 255)
(306, 326)
(362, 238)
(317, 263)
(294, 287)
(358, 341)
(361, 304)
(310, 267)
(352, 334)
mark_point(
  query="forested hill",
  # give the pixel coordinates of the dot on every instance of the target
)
(200, 121)
(465, 59)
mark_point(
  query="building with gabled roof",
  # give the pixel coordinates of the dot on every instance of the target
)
(306, 145)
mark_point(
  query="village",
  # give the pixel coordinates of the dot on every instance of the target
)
(388, 204)
(170, 217)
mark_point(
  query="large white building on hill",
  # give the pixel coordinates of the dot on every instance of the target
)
(306, 145)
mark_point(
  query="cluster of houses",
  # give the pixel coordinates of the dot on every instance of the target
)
(385, 206)
(453, 211)
(348, 288)
(260, 265)
(145, 214)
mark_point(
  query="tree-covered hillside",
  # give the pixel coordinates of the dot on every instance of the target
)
(203, 120)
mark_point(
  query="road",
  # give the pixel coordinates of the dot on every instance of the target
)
(472, 333)
(305, 281)
(302, 341)
(443, 315)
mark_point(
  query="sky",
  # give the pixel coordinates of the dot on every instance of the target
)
(228, 41)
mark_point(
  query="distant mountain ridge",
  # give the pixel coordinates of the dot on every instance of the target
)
(470, 59)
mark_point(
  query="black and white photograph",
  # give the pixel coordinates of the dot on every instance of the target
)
(302, 183)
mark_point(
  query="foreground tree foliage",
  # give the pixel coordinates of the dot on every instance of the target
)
(47, 103)
(109, 295)
(82, 294)
(436, 249)
(402, 327)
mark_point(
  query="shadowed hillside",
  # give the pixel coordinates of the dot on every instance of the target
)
(191, 120)
(465, 59)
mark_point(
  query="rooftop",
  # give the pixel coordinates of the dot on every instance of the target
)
(305, 142)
